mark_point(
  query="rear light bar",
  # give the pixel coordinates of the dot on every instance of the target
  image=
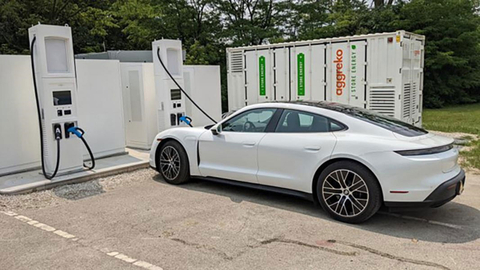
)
(426, 151)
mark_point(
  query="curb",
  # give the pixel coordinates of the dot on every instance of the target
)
(83, 178)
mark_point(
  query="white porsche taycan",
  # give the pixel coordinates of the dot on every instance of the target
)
(349, 160)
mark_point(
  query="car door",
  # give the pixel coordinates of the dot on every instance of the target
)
(289, 157)
(232, 153)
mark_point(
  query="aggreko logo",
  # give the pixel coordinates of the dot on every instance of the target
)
(340, 76)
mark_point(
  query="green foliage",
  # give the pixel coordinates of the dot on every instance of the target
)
(207, 27)
(452, 51)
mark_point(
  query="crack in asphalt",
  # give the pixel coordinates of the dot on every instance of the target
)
(300, 243)
(207, 247)
(390, 256)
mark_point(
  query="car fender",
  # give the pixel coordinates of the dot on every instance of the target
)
(187, 137)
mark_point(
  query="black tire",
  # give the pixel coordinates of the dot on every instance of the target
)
(358, 193)
(172, 177)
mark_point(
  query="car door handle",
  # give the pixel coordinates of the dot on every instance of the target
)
(248, 144)
(312, 148)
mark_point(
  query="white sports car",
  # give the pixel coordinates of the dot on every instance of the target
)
(349, 160)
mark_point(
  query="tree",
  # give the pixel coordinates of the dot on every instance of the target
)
(452, 50)
(381, 3)
(248, 22)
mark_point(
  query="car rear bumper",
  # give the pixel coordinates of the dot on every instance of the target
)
(440, 196)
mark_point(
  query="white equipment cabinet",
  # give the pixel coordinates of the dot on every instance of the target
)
(202, 84)
(57, 95)
(381, 72)
(170, 99)
(139, 103)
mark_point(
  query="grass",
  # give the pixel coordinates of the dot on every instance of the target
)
(465, 119)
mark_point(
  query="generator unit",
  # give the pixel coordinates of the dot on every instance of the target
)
(381, 72)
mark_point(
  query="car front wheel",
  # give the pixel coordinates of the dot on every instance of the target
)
(348, 192)
(173, 163)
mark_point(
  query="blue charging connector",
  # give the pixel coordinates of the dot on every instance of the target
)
(77, 131)
(187, 120)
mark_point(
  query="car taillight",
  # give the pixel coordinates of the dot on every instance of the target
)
(426, 151)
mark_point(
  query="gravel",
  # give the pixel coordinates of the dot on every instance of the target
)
(68, 193)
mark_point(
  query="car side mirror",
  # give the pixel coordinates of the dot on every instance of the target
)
(216, 129)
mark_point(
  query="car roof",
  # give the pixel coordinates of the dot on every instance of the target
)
(331, 106)
(319, 104)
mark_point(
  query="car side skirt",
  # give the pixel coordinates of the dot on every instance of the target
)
(284, 191)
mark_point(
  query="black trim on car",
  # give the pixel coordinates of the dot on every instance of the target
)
(425, 151)
(272, 124)
(440, 196)
(284, 191)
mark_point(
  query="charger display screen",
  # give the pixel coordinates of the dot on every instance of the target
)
(175, 94)
(62, 98)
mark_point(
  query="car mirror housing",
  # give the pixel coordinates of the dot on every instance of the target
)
(216, 129)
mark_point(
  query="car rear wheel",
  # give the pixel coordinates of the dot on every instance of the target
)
(173, 163)
(348, 192)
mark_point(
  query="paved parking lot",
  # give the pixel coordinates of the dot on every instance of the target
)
(137, 221)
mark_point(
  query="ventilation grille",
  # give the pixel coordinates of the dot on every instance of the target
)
(407, 100)
(382, 100)
(414, 99)
(236, 62)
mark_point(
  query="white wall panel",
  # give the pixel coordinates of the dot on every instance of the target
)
(99, 105)
(205, 89)
(19, 134)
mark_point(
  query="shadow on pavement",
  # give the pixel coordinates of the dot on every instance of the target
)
(452, 223)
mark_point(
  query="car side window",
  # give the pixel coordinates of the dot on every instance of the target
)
(250, 121)
(335, 126)
(298, 121)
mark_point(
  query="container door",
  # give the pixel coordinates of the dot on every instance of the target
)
(135, 125)
(236, 80)
(281, 74)
(259, 74)
(301, 79)
(347, 73)
(318, 72)
(417, 84)
(411, 81)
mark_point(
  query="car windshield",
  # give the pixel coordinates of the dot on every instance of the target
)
(380, 120)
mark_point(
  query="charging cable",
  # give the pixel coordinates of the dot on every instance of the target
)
(58, 131)
(183, 91)
(79, 133)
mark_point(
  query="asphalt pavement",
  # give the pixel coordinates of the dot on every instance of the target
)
(137, 221)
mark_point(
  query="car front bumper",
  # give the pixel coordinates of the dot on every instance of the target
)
(440, 196)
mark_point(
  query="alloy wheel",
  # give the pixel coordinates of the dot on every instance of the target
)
(345, 193)
(170, 162)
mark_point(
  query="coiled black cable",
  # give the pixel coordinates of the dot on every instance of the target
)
(183, 91)
(92, 159)
(49, 177)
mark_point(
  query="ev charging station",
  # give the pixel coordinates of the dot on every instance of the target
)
(55, 86)
(167, 57)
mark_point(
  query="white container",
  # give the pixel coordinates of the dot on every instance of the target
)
(381, 72)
